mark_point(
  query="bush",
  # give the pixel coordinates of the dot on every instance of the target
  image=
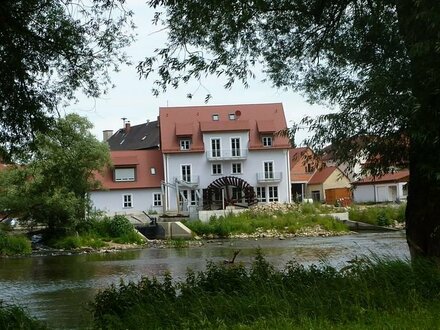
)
(378, 215)
(14, 244)
(14, 317)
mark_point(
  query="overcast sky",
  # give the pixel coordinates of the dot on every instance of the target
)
(132, 98)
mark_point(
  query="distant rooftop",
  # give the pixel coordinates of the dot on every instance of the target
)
(138, 137)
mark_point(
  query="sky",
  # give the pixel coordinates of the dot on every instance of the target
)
(132, 97)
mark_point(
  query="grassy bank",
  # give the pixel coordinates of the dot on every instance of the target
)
(364, 295)
(285, 219)
(14, 244)
(381, 215)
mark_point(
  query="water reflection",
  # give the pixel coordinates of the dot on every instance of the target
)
(57, 288)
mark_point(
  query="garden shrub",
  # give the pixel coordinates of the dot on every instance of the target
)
(14, 244)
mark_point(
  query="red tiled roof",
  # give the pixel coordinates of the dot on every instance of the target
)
(400, 176)
(266, 126)
(246, 118)
(296, 155)
(146, 159)
(322, 175)
(184, 129)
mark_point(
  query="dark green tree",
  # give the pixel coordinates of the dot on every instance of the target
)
(377, 62)
(50, 49)
(52, 189)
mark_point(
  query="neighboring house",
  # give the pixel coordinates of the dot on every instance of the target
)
(302, 168)
(352, 172)
(133, 183)
(331, 185)
(215, 156)
(387, 188)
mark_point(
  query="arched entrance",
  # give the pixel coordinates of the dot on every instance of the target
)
(227, 191)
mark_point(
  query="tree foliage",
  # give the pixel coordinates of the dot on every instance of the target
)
(49, 49)
(52, 188)
(376, 62)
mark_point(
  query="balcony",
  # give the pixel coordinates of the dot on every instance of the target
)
(226, 154)
(265, 177)
(192, 180)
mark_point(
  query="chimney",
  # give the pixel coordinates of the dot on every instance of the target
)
(106, 134)
(127, 127)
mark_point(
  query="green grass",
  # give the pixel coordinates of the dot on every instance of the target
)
(248, 222)
(15, 318)
(14, 244)
(368, 294)
(382, 215)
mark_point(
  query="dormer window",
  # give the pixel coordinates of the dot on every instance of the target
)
(267, 141)
(185, 144)
(124, 174)
(232, 116)
(215, 117)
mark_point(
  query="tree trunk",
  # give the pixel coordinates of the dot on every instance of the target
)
(420, 28)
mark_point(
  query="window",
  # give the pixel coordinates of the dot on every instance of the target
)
(232, 116)
(186, 173)
(124, 174)
(216, 169)
(235, 146)
(273, 194)
(185, 144)
(316, 195)
(310, 168)
(193, 198)
(268, 170)
(237, 194)
(236, 168)
(215, 148)
(267, 141)
(153, 171)
(215, 117)
(157, 199)
(188, 196)
(127, 201)
(261, 194)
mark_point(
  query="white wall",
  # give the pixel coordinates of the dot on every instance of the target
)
(363, 193)
(253, 164)
(111, 202)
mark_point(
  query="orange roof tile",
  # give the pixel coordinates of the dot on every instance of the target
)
(146, 159)
(322, 175)
(399, 176)
(184, 129)
(266, 126)
(246, 117)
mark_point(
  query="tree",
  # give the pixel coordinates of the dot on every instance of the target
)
(50, 49)
(52, 189)
(377, 61)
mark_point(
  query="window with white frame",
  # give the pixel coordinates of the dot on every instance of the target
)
(185, 171)
(267, 141)
(153, 171)
(268, 170)
(273, 193)
(157, 199)
(185, 144)
(215, 117)
(261, 194)
(232, 116)
(124, 174)
(215, 147)
(236, 168)
(235, 147)
(216, 169)
(127, 201)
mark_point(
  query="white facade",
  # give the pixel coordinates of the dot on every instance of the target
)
(249, 165)
(127, 201)
(378, 193)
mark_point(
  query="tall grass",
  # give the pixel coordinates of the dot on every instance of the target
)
(366, 294)
(15, 318)
(382, 215)
(14, 244)
(249, 222)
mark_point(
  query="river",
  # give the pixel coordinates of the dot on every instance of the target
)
(57, 288)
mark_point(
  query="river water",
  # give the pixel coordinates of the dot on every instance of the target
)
(58, 288)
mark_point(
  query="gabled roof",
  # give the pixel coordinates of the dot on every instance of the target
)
(399, 176)
(143, 136)
(193, 121)
(296, 154)
(322, 175)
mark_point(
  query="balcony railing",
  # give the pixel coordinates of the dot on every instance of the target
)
(191, 179)
(269, 177)
(226, 154)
